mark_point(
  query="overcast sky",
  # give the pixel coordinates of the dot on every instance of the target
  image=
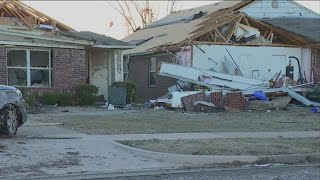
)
(95, 15)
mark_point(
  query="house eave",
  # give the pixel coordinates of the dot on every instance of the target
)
(113, 46)
(29, 35)
(14, 43)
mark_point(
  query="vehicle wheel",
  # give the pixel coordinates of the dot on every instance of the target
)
(10, 121)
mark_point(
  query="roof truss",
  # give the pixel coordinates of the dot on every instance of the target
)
(28, 16)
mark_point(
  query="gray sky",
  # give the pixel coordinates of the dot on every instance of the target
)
(95, 15)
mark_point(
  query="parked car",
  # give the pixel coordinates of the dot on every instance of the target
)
(12, 110)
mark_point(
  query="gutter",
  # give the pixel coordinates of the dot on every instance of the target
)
(14, 43)
(114, 46)
(82, 42)
(139, 53)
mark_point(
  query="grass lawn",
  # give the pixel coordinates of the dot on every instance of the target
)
(243, 146)
(151, 121)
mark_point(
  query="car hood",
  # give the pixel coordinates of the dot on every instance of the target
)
(3, 87)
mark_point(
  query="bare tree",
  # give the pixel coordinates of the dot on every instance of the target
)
(141, 13)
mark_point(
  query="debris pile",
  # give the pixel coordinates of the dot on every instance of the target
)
(199, 90)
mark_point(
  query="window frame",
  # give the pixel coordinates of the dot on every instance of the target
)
(151, 71)
(28, 67)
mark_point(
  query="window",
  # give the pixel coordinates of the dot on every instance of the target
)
(29, 67)
(152, 71)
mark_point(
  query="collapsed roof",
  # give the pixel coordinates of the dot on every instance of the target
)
(308, 27)
(29, 16)
(218, 23)
(32, 26)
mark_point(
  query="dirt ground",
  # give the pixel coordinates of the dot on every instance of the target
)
(244, 146)
(101, 121)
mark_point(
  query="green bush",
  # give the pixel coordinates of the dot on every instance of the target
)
(131, 89)
(64, 99)
(86, 94)
(50, 99)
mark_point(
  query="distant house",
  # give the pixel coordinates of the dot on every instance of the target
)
(42, 55)
(210, 37)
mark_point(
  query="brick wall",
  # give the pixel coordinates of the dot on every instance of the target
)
(68, 70)
(316, 65)
(139, 72)
(3, 66)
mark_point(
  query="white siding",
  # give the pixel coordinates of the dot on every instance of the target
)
(258, 62)
(278, 8)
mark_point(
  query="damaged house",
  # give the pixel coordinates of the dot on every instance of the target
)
(251, 42)
(42, 55)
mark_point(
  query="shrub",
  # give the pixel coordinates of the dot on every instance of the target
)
(64, 99)
(131, 89)
(86, 94)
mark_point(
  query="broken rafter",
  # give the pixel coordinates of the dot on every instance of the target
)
(280, 32)
(212, 36)
(246, 21)
(16, 12)
(7, 11)
(233, 28)
(214, 25)
(3, 4)
(220, 35)
(269, 35)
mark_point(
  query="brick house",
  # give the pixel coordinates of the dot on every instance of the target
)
(42, 55)
(251, 31)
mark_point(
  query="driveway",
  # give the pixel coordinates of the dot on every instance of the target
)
(52, 150)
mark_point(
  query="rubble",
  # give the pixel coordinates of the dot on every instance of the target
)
(228, 92)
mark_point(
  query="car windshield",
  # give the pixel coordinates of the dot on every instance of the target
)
(153, 89)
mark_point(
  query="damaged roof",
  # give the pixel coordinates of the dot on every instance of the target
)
(217, 23)
(99, 39)
(307, 27)
(176, 27)
(28, 16)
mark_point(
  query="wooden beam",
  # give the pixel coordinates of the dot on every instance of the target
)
(219, 33)
(246, 21)
(271, 38)
(244, 44)
(198, 32)
(234, 28)
(265, 33)
(7, 11)
(212, 35)
(285, 34)
(3, 4)
(269, 35)
(17, 14)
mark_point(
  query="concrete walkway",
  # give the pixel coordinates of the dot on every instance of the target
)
(177, 136)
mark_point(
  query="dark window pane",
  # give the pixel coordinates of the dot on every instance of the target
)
(152, 78)
(39, 77)
(39, 59)
(17, 77)
(17, 58)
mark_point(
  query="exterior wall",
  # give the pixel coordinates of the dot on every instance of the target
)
(278, 8)
(3, 66)
(68, 70)
(139, 73)
(257, 62)
(316, 65)
(118, 59)
(99, 72)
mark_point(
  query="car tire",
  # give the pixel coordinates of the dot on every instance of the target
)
(9, 116)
